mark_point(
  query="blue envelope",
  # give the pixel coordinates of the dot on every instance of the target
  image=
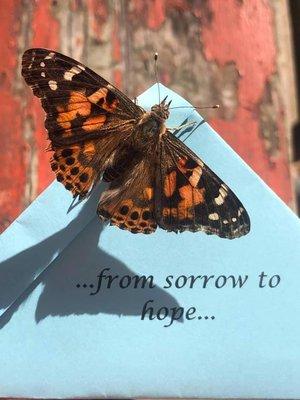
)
(89, 310)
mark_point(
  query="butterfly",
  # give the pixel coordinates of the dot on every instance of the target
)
(97, 133)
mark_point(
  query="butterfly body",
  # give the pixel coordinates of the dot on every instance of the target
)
(96, 132)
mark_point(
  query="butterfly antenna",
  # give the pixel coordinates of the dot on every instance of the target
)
(156, 74)
(197, 108)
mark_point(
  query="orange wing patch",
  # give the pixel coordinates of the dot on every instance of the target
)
(170, 184)
(148, 193)
(94, 123)
(78, 105)
(100, 97)
(194, 172)
(182, 185)
(71, 172)
(187, 196)
(190, 198)
(133, 214)
(129, 216)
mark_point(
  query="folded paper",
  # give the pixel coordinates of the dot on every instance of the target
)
(89, 310)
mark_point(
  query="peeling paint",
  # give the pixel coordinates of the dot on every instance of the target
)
(20, 93)
(31, 158)
(45, 33)
(268, 114)
(225, 84)
(12, 182)
(201, 81)
(210, 51)
(248, 40)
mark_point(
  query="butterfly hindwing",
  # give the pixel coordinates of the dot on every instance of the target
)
(86, 117)
(129, 201)
(191, 197)
(75, 167)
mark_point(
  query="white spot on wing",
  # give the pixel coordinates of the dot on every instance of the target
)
(43, 74)
(195, 177)
(223, 193)
(233, 219)
(31, 62)
(213, 216)
(240, 210)
(73, 71)
(52, 85)
(219, 200)
(49, 56)
(42, 64)
(225, 221)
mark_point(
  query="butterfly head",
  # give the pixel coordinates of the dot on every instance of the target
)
(161, 110)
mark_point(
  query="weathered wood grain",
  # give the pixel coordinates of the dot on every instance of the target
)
(211, 51)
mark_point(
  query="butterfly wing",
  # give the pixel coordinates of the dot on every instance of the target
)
(129, 201)
(189, 196)
(87, 118)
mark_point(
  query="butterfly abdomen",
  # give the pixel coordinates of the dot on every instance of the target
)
(121, 164)
(112, 173)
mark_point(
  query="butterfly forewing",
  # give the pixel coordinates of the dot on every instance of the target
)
(87, 118)
(191, 197)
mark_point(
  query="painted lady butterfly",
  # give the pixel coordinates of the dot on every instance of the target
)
(97, 132)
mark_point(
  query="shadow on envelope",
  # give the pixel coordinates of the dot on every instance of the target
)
(68, 271)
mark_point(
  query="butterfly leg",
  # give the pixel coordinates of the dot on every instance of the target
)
(183, 126)
(187, 130)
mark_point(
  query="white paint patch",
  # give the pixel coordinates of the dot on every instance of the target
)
(42, 64)
(213, 217)
(233, 219)
(225, 222)
(73, 71)
(49, 56)
(43, 74)
(52, 85)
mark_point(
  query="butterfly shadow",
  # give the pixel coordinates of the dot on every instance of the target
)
(69, 283)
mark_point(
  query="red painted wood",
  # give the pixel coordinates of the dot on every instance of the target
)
(13, 146)
(232, 33)
(243, 33)
(45, 33)
(98, 13)
(240, 33)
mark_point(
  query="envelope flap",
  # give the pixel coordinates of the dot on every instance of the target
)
(163, 315)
